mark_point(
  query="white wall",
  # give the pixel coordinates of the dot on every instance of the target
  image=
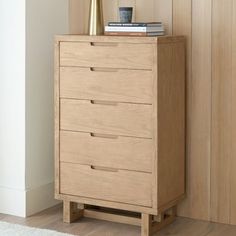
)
(27, 28)
(12, 106)
(44, 19)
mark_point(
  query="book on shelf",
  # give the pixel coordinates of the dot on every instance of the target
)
(144, 34)
(133, 29)
(136, 24)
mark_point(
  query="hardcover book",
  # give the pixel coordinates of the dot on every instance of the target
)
(136, 24)
(133, 29)
(144, 34)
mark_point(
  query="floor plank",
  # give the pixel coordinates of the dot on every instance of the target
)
(52, 219)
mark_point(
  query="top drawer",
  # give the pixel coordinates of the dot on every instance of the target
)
(108, 55)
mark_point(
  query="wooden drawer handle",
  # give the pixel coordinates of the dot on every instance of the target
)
(103, 169)
(95, 69)
(107, 103)
(109, 136)
(103, 44)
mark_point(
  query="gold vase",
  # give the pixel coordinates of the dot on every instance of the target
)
(96, 23)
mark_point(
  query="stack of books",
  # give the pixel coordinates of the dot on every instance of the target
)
(135, 29)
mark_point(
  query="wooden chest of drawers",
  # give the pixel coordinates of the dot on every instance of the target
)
(120, 125)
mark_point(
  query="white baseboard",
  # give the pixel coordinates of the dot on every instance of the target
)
(25, 203)
(39, 199)
(12, 201)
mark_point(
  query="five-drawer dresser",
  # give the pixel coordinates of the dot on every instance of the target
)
(120, 128)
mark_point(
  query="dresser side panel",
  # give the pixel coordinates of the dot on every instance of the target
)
(155, 129)
(56, 114)
(171, 122)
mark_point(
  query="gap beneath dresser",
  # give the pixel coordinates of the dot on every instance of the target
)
(149, 224)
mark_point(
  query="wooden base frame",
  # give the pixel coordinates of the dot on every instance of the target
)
(149, 224)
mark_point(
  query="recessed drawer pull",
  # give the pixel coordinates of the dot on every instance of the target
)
(104, 169)
(96, 69)
(103, 44)
(107, 103)
(109, 136)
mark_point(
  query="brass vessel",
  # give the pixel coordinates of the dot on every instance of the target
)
(96, 23)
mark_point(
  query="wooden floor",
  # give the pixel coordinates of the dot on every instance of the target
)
(52, 219)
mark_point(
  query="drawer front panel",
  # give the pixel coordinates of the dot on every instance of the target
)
(113, 185)
(107, 151)
(106, 84)
(107, 118)
(111, 55)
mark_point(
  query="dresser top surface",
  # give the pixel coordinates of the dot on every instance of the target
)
(117, 39)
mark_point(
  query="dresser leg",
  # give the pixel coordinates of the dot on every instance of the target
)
(146, 224)
(163, 220)
(152, 224)
(71, 212)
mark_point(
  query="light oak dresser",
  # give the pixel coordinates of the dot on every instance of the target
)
(120, 128)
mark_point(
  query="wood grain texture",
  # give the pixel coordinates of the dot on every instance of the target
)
(52, 219)
(108, 204)
(142, 9)
(104, 40)
(201, 110)
(207, 24)
(182, 25)
(112, 216)
(165, 220)
(146, 225)
(155, 129)
(100, 150)
(149, 226)
(90, 172)
(171, 122)
(108, 55)
(221, 110)
(118, 186)
(210, 181)
(78, 16)
(71, 212)
(118, 119)
(163, 12)
(56, 113)
(199, 155)
(86, 16)
(110, 11)
(233, 164)
(135, 86)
